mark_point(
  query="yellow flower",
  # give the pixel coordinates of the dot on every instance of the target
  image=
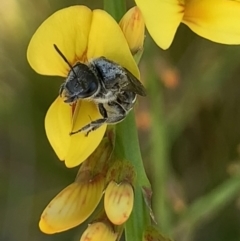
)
(72, 206)
(216, 20)
(133, 27)
(118, 202)
(81, 35)
(98, 231)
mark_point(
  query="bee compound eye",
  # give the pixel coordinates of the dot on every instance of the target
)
(92, 88)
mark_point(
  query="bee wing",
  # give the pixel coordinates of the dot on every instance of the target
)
(133, 84)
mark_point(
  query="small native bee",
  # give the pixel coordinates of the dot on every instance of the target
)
(112, 87)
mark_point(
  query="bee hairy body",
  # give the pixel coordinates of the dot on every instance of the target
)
(112, 87)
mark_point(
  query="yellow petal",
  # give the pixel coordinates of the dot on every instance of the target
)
(68, 29)
(72, 206)
(162, 18)
(98, 231)
(118, 202)
(106, 39)
(216, 20)
(82, 146)
(58, 123)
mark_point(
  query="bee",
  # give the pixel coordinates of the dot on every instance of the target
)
(112, 87)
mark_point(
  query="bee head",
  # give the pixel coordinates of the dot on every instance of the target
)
(81, 82)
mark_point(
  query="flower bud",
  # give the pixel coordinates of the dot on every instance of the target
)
(133, 27)
(72, 206)
(98, 231)
(118, 202)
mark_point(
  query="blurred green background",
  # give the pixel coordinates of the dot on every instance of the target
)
(188, 129)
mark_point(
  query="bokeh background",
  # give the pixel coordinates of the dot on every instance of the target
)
(188, 130)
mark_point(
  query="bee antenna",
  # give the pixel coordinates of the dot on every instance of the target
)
(64, 58)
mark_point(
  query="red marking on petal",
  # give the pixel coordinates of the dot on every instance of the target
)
(73, 105)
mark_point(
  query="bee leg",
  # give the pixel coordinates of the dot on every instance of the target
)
(94, 125)
(112, 113)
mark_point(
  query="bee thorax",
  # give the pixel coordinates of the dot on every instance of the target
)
(105, 97)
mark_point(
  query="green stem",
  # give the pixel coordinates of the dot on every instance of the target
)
(127, 148)
(159, 155)
(115, 7)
